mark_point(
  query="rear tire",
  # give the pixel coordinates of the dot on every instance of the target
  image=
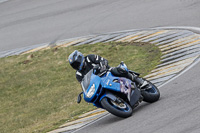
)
(151, 95)
(124, 110)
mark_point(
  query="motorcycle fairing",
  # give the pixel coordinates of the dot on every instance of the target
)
(88, 81)
(108, 82)
(135, 95)
(123, 85)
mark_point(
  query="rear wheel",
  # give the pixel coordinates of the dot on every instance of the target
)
(119, 107)
(151, 95)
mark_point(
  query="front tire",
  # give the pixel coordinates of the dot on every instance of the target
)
(121, 109)
(151, 95)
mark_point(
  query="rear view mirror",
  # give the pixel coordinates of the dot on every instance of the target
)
(79, 97)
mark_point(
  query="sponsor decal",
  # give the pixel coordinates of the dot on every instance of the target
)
(108, 81)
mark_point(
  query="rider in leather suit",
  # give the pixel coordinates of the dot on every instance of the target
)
(84, 64)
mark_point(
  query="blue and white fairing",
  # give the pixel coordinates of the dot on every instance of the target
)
(90, 85)
(121, 85)
(95, 88)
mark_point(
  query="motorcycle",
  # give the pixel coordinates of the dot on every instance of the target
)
(117, 95)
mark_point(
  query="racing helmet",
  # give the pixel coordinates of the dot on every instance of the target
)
(76, 60)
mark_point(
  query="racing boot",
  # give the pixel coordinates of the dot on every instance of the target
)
(143, 84)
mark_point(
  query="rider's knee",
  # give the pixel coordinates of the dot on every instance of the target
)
(118, 71)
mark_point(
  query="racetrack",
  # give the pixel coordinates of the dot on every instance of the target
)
(25, 23)
(30, 22)
(177, 111)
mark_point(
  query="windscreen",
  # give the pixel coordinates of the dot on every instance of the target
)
(86, 80)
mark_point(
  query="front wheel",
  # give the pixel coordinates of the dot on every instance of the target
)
(119, 108)
(151, 95)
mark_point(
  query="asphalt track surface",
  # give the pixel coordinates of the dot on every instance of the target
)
(29, 22)
(177, 111)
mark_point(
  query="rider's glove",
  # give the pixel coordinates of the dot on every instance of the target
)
(99, 69)
(104, 63)
(96, 69)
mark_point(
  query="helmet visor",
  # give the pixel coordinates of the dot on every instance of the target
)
(76, 60)
(76, 65)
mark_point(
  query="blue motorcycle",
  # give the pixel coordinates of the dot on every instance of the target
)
(117, 95)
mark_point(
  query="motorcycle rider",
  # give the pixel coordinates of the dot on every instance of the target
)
(84, 64)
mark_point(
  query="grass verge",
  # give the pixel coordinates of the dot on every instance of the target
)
(38, 91)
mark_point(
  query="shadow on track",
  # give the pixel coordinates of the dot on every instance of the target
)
(114, 119)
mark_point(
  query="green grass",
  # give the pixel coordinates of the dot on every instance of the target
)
(38, 91)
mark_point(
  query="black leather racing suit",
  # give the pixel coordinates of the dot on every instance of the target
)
(93, 60)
